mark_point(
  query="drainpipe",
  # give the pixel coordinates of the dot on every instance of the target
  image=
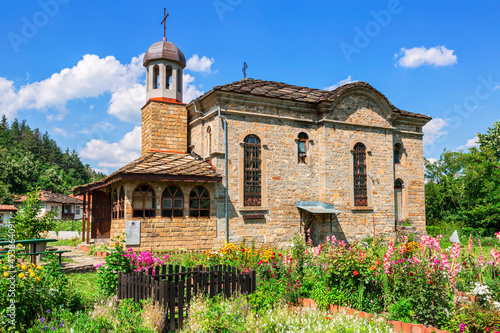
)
(224, 123)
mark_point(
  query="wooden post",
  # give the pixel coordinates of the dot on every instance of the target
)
(84, 216)
(88, 219)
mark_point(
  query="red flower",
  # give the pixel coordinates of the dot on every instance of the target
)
(242, 250)
(373, 268)
(355, 273)
(411, 274)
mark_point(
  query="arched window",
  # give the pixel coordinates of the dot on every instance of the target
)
(360, 181)
(398, 200)
(179, 80)
(168, 77)
(302, 148)
(143, 201)
(121, 204)
(397, 153)
(156, 77)
(209, 139)
(114, 205)
(199, 202)
(172, 202)
(252, 171)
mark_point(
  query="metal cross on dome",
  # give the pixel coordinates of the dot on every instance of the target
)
(164, 22)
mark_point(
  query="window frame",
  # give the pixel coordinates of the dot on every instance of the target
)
(199, 198)
(209, 139)
(360, 175)
(144, 197)
(252, 155)
(172, 209)
(303, 159)
(121, 203)
(114, 207)
(397, 151)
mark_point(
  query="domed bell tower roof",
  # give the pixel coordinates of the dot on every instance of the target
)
(164, 50)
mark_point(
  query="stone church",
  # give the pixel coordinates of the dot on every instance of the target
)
(260, 160)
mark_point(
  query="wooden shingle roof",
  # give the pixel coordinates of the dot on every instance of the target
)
(157, 165)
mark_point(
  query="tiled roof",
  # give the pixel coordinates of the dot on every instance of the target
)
(285, 91)
(49, 196)
(157, 163)
(8, 208)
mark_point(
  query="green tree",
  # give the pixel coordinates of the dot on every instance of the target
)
(30, 221)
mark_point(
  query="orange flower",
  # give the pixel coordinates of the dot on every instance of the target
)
(373, 268)
(377, 262)
(355, 273)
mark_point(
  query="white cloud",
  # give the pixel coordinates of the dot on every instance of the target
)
(432, 160)
(340, 83)
(126, 103)
(103, 170)
(474, 142)
(420, 56)
(114, 155)
(197, 64)
(61, 131)
(102, 126)
(433, 130)
(90, 77)
(190, 90)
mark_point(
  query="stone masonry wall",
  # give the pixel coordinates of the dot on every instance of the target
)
(169, 233)
(164, 127)
(328, 177)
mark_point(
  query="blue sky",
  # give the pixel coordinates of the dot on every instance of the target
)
(72, 68)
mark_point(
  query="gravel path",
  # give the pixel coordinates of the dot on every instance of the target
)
(80, 257)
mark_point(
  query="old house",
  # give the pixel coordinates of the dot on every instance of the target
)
(65, 206)
(263, 160)
(6, 212)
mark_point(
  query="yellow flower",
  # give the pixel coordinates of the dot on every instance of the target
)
(30, 270)
(21, 275)
(4, 268)
(39, 267)
(24, 267)
(6, 274)
(32, 274)
(20, 246)
(37, 279)
(33, 265)
(18, 265)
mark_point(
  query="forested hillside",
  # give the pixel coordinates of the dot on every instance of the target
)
(464, 187)
(30, 159)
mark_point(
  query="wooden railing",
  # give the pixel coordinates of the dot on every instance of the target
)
(173, 287)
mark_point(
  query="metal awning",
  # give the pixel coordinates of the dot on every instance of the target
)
(317, 207)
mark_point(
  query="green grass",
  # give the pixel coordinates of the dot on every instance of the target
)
(63, 242)
(85, 286)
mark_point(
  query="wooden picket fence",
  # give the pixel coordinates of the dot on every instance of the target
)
(173, 287)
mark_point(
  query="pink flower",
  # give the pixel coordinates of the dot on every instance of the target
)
(471, 245)
(498, 235)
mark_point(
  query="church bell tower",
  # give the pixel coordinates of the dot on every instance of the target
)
(164, 117)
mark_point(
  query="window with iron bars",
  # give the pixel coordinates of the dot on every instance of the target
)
(252, 172)
(360, 179)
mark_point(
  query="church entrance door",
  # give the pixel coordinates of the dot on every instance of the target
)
(101, 215)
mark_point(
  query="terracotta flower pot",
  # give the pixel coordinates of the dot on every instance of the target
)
(406, 327)
(417, 328)
(300, 301)
(396, 325)
(334, 308)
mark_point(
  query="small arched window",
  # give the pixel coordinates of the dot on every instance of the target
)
(209, 140)
(156, 77)
(360, 179)
(172, 202)
(302, 148)
(398, 200)
(114, 205)
(252, 172)
(168, 77)
(143, 201)
(199, 202)
(397, 153)
(121, 204)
